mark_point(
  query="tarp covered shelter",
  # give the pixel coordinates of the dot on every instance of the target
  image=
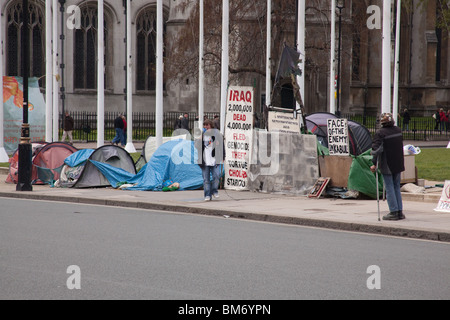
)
(150, 146)
(361, 178)
(173, 162)
(88, 175)
(47, 162)
(360, 139)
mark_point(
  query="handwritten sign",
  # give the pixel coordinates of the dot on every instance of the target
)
(238, 137)
(338, 137)
(444, 202)
(283, 122)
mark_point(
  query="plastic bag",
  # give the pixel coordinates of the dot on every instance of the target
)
(409, 149)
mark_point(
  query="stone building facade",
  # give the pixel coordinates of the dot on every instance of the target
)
(424, 61)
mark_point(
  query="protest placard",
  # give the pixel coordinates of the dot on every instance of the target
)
(444, 202)
(338, 137)
(283, 122)
(238, 137)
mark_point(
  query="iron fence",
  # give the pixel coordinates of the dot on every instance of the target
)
(418, 129)
(85, 129)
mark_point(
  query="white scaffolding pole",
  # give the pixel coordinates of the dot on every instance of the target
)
(395, 109)
(49, 72)
(55, 74)
(386, 61)
(3, 155)
(100, 78)
(201, 66)
(268, 51)
(129, 146)
(301, 47)
(159, 73)
(332, 99)
(225, 62)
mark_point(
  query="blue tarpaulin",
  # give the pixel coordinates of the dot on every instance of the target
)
(78, 157)
(174, 161)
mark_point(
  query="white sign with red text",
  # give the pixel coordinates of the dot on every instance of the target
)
(238, 137)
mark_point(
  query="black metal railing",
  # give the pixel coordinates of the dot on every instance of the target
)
(418, 129)
(85, 129)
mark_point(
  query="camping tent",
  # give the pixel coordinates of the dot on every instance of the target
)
(360, 139)
(47, 162)
(150, 146)
(173, 162)
(89, 175)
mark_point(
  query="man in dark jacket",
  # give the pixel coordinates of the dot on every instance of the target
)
(406, 119)
(387, 151)
(185, 121)
(118, 126)
(68, 127)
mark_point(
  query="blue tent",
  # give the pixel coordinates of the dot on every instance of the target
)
(174, 161)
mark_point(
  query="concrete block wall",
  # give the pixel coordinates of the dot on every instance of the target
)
(283, 163)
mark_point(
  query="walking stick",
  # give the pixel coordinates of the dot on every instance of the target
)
(378, 191)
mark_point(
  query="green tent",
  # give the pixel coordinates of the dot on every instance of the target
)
(360, 177)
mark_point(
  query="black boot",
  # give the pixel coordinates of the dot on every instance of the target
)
(391, 216)
(401, 216)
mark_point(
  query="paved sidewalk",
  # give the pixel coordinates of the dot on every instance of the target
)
(421, 221)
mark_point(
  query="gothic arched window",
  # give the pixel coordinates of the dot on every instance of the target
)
(85, 47)
(146, 49)
(36, 29)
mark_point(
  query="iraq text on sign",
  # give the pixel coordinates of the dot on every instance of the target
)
(238, 137)
(337, 130)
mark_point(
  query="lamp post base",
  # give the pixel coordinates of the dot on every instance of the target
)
(25, 167)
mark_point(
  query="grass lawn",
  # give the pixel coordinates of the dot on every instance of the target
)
(432, 163)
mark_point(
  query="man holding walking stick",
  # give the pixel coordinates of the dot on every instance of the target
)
(387, 152)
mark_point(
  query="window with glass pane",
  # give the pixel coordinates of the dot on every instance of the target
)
(36, 29)
(146, 50)
(85, 54)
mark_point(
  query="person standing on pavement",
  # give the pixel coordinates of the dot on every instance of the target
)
(216, 122)
(68, 128)
(124, 141)
(406, 119)
(211, 154)
(178, 123)
(118, 126)
(185, 122)
(437, 119)
(387, 152)
(443, 118)
(448, 120)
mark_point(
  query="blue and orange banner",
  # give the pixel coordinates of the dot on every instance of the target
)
(13, 113)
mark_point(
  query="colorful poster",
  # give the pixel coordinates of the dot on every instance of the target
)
(238, 137)
(13, 112)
